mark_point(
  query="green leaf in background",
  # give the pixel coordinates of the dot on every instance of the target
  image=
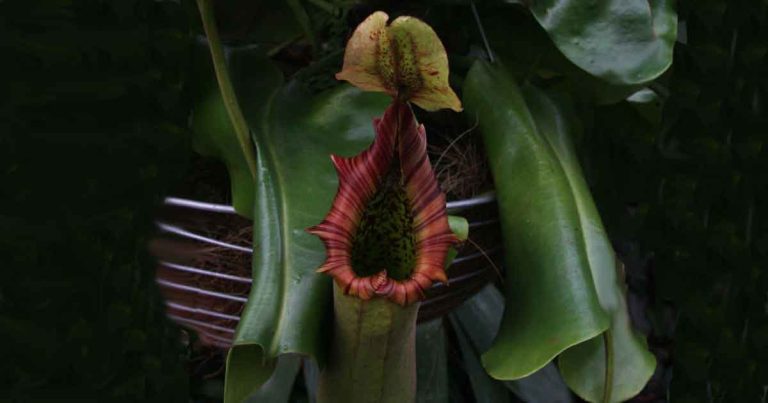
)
(648, 104)
(289, 303)
(552, 230)
(484, 388)
(431, 363)
(213, 132)
(551, 299)
(311, 372)
(476, 322)
(460, 227)
(620, 41)
(583, 366)
(527, 50)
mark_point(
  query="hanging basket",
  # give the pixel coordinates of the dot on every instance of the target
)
(204, 264)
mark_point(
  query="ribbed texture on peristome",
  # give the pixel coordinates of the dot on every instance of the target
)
(359, 178)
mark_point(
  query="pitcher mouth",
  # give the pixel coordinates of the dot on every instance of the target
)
(387, 232)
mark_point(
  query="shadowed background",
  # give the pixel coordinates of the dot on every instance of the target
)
(93, 134)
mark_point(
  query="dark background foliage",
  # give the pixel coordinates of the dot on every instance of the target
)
(685, 199)
(93, 134)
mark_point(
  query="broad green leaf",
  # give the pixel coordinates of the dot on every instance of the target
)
(583, 366)
(543, 127)
(526, 49)
(278, 388)
(620, 41)
(288, 307)
(476, 323)
(431, 363)
(213, 132)
(551, 299)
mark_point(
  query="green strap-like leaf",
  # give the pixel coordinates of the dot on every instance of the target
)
(583, 366)
(288, 307)
(542, 127)
(551, 297)
(620, 41)
(527, 50)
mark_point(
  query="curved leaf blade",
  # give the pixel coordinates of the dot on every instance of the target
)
(551, 299)
(247, 370)
(583, 366)
(476, 322)
(212, 129)
(527, 50)
(620, 41)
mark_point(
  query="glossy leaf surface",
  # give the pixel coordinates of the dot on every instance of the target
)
(620, 41)
(527, 50)
(289, 302)
(551, 299)
(549, 125)
(583, 365)
(213, 132)
(476, 323)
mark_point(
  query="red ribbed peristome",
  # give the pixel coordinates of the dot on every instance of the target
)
(359, 177)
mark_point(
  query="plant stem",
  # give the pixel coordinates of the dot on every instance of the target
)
(482, 31)
(608, 382)
(225, 85)
(373, 352)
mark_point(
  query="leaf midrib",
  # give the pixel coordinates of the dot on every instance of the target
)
(281, 206)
